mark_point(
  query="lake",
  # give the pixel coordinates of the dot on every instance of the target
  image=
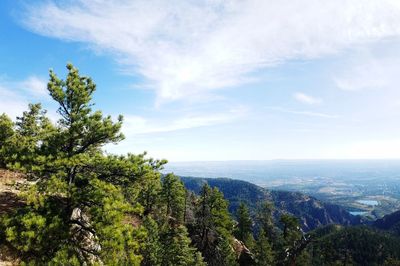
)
(368, 202)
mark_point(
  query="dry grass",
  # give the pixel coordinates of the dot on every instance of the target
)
(8, 179)
(7, 257)
(9, 182)
(133, 220)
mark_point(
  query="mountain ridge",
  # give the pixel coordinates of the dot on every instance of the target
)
(311, 212)
(390, 222)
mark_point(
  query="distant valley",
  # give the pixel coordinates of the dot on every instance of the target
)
(370, 188)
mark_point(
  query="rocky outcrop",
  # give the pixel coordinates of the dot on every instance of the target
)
(84, 237)
(244, 255)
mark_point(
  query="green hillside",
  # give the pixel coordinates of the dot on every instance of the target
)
(311, 212)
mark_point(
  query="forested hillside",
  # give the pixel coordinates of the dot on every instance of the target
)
(66, 202)
(311, 212)
(390, 222)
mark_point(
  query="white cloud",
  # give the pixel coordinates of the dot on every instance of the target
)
(306, 99)
(370, 69)
(305, 113)
(186, 48)
(16, 95)
(316, 114)
(149, 134)
(135, 125)
(35, 86)
(11, 103)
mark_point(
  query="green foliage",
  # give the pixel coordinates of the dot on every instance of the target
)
(86, 207)
(81, 129)
(264, 218)
(6, 134)
(290, 243)
(359, 245)
(116, 239)
(37, 231)
(263, 250)
(291, 229)
(151, 248)
(391, 262)
(137, 176)
(212, 212)
(244, 227)
(72, 213)
(213, 227)
(6, 129)
(173, 195)
(177, 250)
(150, 190)
(224, 255)
(25, 149)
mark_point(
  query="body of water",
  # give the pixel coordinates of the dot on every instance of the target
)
(355, 213)
(368, 202)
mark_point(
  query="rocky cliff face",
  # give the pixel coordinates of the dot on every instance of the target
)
(311, 212)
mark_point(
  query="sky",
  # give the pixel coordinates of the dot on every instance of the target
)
(206, 80)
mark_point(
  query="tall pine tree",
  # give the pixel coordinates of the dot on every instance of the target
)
(244, 230)
(213, 227)
(263, 250)
(72, 214)
(173, 194)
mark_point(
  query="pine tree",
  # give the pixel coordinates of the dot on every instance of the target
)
(151, 248)
(177, 248)
(213, 227)
(244, 226)
(293, 241)
(6, 134)
(212, 212)
(225, 255)
(264, 218)
(137, 176)
(72, 212)
(25, 149)
(173, 195)
(291, 228)
(263, 250)
(6, 129)
(150, 190)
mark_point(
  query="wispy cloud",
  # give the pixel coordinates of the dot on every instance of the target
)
(373, 68)
(305, 113)
(136, 125)
(11, 103)
(306, 99)
(187, 48)
(35, 86)
(16, 95)
(316, 114)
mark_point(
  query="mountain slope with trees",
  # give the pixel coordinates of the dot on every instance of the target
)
(390, 222)
(311, 212)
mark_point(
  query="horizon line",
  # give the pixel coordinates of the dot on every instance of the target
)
(270, 160)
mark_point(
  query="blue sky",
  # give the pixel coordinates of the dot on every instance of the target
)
(219, 80)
